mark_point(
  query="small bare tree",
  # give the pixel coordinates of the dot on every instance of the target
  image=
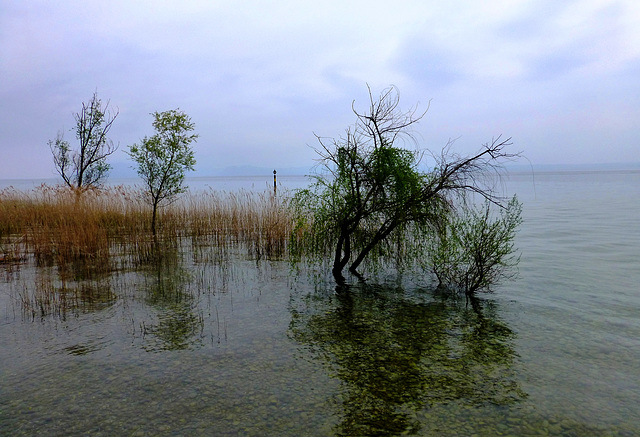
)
(87, 166)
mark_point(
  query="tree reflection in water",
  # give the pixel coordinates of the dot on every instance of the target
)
(398, 352)
(178, 321)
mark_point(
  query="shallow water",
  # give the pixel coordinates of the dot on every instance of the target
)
(576, 306)
(187, 347)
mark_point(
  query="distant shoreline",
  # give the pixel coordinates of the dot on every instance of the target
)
(258, 175)
(571, 168)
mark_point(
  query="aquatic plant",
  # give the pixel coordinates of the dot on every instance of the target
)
(90, 235)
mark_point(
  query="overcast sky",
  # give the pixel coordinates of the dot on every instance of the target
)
(259, 78)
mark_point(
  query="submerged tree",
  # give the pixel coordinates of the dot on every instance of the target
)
(372, 200)
(86, 166)
(164, 158)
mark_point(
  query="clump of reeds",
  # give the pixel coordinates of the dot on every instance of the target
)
(259, 222)
(62, 227)
(88, 230)
(86, 235)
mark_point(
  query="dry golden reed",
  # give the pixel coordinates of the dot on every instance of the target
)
(66, 228)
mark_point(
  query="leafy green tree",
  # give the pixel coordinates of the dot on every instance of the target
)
(86, 166)
(163, 158)
(371, 200)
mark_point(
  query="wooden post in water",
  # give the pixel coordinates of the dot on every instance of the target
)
(274, 183)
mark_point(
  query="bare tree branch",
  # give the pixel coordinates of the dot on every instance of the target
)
(86, 166)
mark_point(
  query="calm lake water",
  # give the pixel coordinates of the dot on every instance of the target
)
(195, 347)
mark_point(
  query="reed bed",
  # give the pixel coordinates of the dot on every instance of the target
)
(99, 230)
(260, 222)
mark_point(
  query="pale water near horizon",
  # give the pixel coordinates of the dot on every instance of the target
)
(258, 349)
(219, 183)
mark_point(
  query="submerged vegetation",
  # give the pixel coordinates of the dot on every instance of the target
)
(376, 201)
(98, 231)
(86, 238)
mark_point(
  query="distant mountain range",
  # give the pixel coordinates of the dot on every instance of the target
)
(248, 170)
(124, 171)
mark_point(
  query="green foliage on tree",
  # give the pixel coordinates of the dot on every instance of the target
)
(372, 200)
(474, 249)
(86, 166)
(163, 159)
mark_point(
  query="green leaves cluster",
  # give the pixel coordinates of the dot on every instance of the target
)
(475, 250)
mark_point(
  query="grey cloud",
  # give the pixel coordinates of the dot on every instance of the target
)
(258, 88)
(554, 45)
(427, 64)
